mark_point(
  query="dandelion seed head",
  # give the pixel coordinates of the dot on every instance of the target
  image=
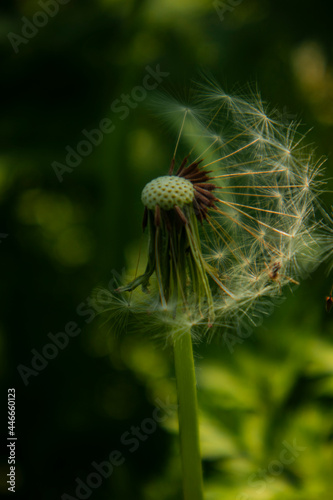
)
(236, 219)
(166, 192)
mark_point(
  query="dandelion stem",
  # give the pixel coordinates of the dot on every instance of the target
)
(188, 417)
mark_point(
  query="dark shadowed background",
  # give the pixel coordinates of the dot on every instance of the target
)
(71, 219)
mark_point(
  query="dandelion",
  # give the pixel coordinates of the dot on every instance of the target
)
(232, 222)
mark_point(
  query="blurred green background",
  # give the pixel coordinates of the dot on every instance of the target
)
(59, 240)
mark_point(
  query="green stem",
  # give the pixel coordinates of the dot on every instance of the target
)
(188, 417)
